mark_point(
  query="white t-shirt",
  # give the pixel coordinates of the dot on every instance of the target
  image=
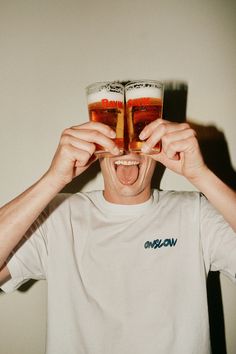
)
(126, 279)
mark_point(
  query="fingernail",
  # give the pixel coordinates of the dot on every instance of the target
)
(112, 134)
(145, 148)
(116, 150)
(142, 136)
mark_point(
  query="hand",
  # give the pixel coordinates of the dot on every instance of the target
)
(180, 149)
(75, 152)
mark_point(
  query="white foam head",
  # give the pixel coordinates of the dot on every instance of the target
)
(103, 94)
(110, 91)
(143, 89)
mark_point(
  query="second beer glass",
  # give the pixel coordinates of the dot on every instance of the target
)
(144, 101)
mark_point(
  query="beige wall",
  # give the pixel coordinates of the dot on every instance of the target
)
(49, 52)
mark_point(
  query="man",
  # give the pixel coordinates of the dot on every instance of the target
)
(126, 268)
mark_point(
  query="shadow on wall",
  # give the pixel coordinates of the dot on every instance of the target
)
(215, 151)
(216, 155)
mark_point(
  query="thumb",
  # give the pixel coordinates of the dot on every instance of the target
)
(172, 164)
(80, 169)
(92, 159)
(164, 159)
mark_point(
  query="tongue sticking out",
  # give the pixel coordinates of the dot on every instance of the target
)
(127, 174)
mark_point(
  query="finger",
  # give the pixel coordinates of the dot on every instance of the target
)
(148, 129)
(78, 157)
(186, 146)
(83, 159)
(78, 143)
(163, 131)
(164, 160)
(162, 126)
(95, 137)
(101, 127)
(92, 159)
(169, 139)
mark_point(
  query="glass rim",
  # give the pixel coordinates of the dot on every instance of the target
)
(100, 85)
(156, 83)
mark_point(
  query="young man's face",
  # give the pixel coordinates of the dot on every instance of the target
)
(127, 178)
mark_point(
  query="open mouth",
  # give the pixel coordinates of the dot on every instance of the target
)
(127, 170)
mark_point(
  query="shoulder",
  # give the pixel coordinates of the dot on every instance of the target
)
(180, 196)
(172, 202)
(180, 204)
(64, 201)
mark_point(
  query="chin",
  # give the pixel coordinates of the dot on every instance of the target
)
(126, 195)
(129, 191)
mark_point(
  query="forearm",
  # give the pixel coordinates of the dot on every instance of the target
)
(74, 155)
(18, 215)
(219, 195)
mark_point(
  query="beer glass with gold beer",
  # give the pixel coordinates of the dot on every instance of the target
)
(144, 101)
(106, 105)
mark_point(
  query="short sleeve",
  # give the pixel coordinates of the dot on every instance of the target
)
(29, 259)
(218, 239)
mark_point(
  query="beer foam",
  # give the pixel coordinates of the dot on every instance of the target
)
(104, 94)
(139, 92)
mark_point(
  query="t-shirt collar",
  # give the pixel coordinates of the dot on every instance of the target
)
(124, 209)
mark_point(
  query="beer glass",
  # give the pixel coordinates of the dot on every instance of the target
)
(106, 105)
(144, 101)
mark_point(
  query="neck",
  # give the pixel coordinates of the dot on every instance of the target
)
(127, 198)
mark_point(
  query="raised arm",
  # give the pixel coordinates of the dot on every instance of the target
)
(73, 156)
(181, 154)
